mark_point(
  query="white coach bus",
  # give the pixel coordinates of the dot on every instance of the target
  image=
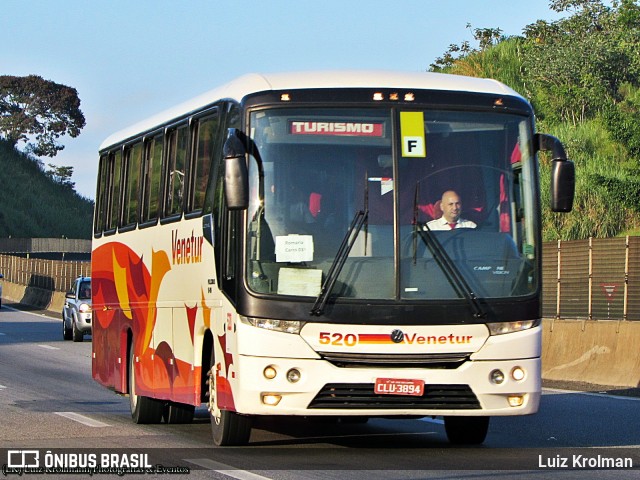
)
(275, 247)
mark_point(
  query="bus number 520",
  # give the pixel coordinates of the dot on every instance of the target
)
(339, 339)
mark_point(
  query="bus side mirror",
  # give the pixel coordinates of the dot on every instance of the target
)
(236, 177)
(562, 185)
(563, 176)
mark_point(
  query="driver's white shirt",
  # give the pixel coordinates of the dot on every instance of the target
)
(442, 224)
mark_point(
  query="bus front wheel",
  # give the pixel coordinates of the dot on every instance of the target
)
(143, 409)
(466, 430)
(227, 428)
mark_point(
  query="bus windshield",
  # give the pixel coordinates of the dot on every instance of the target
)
(447, 199)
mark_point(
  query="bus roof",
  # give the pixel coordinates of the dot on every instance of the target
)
(252, 83)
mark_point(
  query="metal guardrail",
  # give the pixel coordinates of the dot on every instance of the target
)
(593, 279)
(54, 275)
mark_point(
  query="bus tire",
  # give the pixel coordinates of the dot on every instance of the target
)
(227, 428)
(179, 413)
(230, 428)
(466, 430)
(143, 409)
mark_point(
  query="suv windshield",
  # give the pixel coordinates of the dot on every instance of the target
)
(84, 291)
(410, 174)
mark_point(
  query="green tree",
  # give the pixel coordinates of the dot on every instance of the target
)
(38, 112)
(486, 38)
(576, 66)
(61, 175)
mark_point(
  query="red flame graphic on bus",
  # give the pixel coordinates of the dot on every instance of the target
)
(125, 299)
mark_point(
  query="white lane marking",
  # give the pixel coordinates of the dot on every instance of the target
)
(557, 391)
(76, 417)
(49, 347)
(2, 386)
(225, 469)
(41, 315)
(1, 334)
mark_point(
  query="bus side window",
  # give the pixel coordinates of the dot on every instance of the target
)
(152, 176)
(178, 141)
(202, 158)
(114, 190)
(133, 159)
(101, 194)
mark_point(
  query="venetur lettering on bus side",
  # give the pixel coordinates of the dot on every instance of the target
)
(186, 249)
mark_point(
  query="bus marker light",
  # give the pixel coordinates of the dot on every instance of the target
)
(271, 399)
(516, 400)
(293, 375)
(378, 96)
(269, 372)
(517, 374)
(497, 377)
(285, 97)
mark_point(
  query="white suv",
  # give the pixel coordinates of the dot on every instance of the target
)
(76, 313)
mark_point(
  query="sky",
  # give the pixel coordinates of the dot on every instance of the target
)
(130, 59)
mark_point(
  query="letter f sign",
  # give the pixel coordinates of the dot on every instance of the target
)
(413, 147)
(413, 134)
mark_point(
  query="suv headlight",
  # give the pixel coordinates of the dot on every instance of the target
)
(286, 326)
(509, 327)
(84, 308)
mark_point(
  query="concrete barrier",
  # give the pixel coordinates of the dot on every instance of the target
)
(602, 352)
(35, 297)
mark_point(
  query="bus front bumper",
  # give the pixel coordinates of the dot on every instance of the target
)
(310, 387)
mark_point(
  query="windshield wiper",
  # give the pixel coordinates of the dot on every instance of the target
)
(349, 239)
(455, 278)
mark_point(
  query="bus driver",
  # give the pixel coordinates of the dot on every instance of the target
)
(451, 209)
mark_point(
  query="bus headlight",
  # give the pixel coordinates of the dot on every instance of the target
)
(293, 375)
(497, 377)
(286, 326)
(509, 327)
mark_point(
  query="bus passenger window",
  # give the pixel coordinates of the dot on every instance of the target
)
(152, 176)
(113, 216)
(133, 159)
(205, 146)
(101, 195)
(175, 174)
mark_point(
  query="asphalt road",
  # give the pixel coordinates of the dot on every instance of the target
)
(51, 408)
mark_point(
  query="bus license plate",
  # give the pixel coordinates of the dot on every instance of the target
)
(399, 386)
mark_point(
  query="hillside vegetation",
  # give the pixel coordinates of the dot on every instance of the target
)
(34, 205)
(582, 76)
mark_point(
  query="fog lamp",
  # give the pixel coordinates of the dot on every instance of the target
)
(516, 400)
(497, 377)
(269, 372)
(293, 375)
(271, 399)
